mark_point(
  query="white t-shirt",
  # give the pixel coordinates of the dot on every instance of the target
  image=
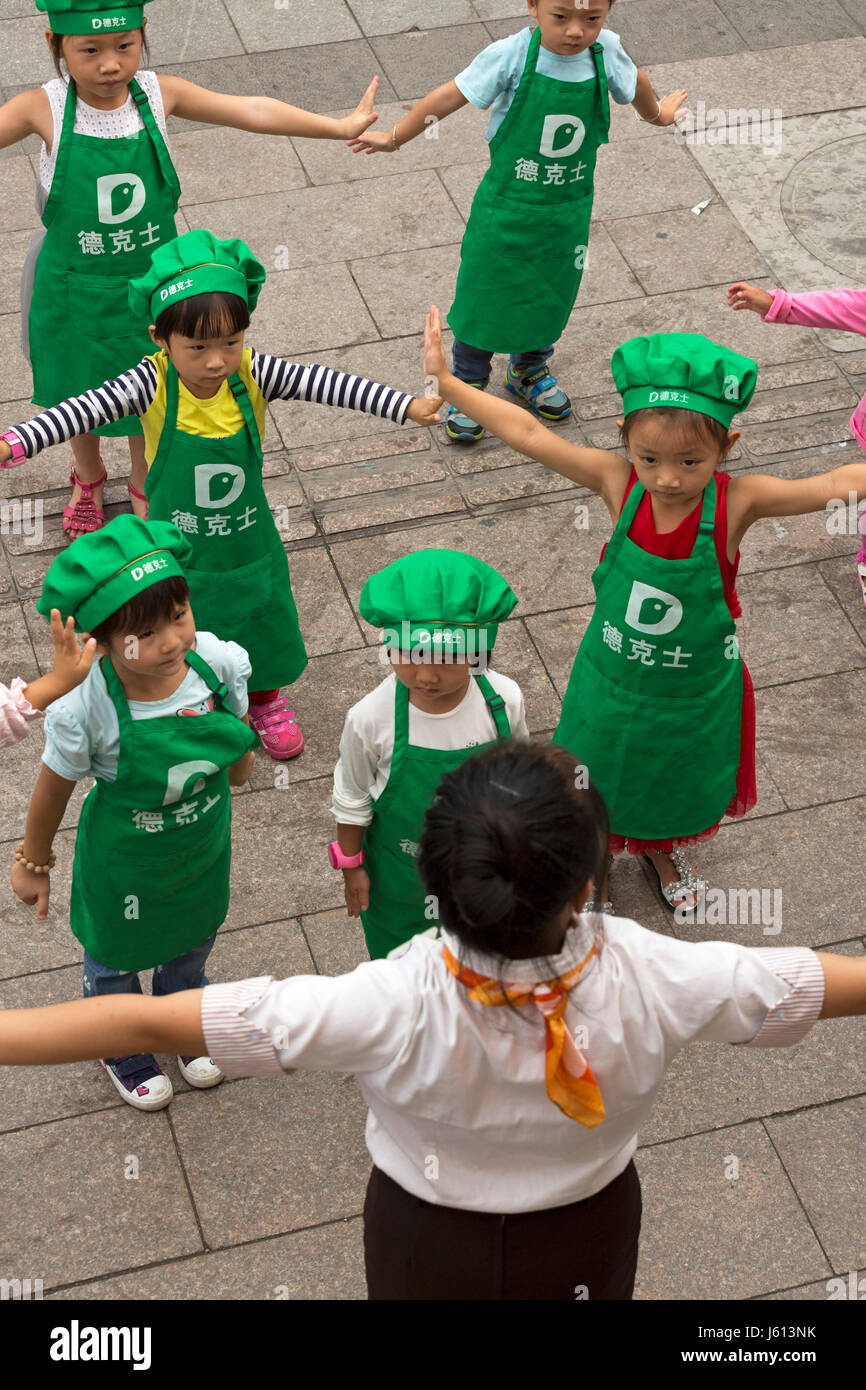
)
(492, 79)
(104, 125)
(367, 745)
(82, 738)
(448, 1077)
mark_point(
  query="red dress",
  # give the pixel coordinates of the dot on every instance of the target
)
(677, 545)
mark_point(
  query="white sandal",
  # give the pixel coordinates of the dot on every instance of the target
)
(688, 882)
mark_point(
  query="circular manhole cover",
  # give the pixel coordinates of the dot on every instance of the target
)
(824, 204)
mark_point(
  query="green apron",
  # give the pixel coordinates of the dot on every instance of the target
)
(238, 573)
(111, 203)
(525, 244)
(654, 703)
(398, 908)
(151, 874)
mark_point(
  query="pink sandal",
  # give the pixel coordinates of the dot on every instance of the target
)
(134, 492)
(84, 516)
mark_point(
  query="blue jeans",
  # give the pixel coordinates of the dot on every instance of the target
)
(472, 364)
(186, 972)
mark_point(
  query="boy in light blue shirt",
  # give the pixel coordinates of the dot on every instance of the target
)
(525, 245)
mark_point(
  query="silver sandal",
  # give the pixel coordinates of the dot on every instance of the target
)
(688, 882)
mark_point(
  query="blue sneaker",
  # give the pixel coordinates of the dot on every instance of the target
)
(140, 1080)
(540, 391)
(459, 427)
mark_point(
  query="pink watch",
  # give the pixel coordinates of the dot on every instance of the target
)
(339, 860)
(19, 453)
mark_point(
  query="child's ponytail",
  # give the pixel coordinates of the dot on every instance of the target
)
(508, 840)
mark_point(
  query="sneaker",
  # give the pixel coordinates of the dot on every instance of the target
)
(459, 427)
(200, 1072)
(275, 725)
(540, 391)
(140, 1081)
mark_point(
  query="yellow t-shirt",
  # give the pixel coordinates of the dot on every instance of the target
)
(216, 418)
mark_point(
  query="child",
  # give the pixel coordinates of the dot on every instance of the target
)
(659, 706)
(525, 246)
(150, 882)
(503, 1156)
(842, 309)
(202, 403)
(20, 704)
(107, 195)
(439, 611)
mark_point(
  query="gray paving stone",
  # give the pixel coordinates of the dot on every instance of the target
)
(782, 22)
(418, 61)
(13, 248)
(512, 484)
(712, 1085)
(361, 452)
(810, 849)
(388, 508)
(262, 25)
(336, 941)
(818, 396)
(657, 177)
(399, 288)
(822, 1151)
(57, 1176)
(25, 56)
(826, 1290)
(327, 621)
(823, 765)
(499, 9)
(248, 1158)
(280, 866)
(375, 475)
(841, 576)
(811, 432)
(187, 34)
(322, 77)
(18, 191)
(678, 250)
(791, 541)
(397, 16)
(16, 380)
(648, 35)
(324, 1263)
(289, 322)
(793, 629)
(534, 549)
(235, 165)
(733, 1238)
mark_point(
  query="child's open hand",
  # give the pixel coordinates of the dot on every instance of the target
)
(669, 106)
(363, 115)
(373, 142)
(434, 353)
(72, 662)
(425, 410)
(745, 296)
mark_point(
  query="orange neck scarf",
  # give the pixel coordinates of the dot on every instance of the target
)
(570, 1082)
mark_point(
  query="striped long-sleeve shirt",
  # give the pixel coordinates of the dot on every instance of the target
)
(133, 392)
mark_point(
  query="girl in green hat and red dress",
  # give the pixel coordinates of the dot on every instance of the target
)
(525, 247)
(660, 706)
(439, 611)
(202, 402)
(107, 196)
(160, 722)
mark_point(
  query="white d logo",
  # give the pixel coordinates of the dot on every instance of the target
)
(130, 198)
(210, 477)
(574, 131)
(652, 610)
(180, 776)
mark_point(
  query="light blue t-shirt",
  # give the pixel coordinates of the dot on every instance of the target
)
(492, 78)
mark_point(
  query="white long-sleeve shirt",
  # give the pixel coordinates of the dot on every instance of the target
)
(367, 744)
(458, 1109)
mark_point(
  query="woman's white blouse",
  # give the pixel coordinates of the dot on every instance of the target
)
(458, 1110)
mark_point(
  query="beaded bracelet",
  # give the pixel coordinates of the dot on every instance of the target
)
(34, 868)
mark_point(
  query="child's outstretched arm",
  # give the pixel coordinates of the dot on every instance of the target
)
(752, 496)
(841, 309)
(280, 380)
(844, 986)
(114, 1025)
(438, 104)
(600, 470)
(129, 394)
(264, 115)
(652, 109)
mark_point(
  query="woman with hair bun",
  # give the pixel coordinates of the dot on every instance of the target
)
(507, 1066)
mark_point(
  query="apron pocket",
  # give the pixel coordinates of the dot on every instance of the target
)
(552, 231)
(98, 308)
(624, 725)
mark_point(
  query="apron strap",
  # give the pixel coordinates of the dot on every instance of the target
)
(520, 95)
(169, 425)
(496, 705)
(623, 525)
(238, 388)
(603, 95)
(208, 675)
(169, 173)
(61, 157)
(401, 729)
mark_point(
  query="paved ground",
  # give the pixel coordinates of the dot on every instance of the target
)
(258, 1187)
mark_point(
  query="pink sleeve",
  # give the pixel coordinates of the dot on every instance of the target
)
(237, 1047)
(15, 713)
(790, 1020)
(842, 309)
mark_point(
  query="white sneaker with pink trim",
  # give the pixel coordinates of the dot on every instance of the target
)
(275, 725)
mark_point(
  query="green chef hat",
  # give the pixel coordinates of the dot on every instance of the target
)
(102, 571)
(91, 16)
(683, 371)
(196, 263)
(438, 601)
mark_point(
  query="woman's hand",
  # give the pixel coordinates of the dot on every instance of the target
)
(353, 127)
(32, 888)
(745, 296)
(357, 886)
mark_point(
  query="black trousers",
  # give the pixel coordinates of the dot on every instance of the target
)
(586, 1250)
